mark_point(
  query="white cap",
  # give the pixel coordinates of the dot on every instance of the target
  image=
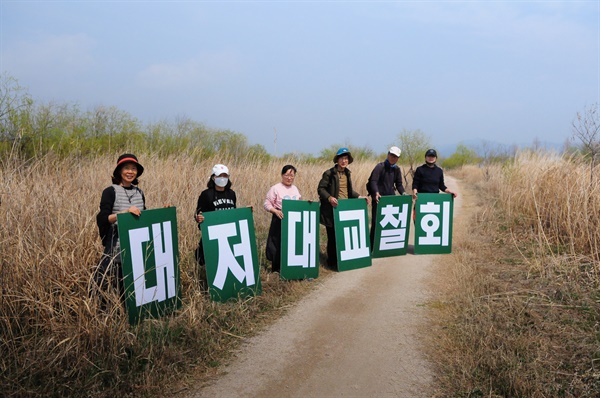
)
(395, 151)
(219, 169)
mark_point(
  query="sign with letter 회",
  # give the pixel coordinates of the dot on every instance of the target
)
(150, 261)
(433, 223)
(351, 223)
(300, 239)
(392, 226)
(229, 243)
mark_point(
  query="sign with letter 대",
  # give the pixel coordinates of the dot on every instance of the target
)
(150, 261)
(300, 239)
(433, 223)
(351, 221)
(393, 226)
(229, 243)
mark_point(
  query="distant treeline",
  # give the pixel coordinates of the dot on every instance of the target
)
(30, 130)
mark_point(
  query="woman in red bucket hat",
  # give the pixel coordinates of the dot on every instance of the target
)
(123, 196)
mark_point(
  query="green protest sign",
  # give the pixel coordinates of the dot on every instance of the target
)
(433, 223)
(229, 243)
(393, 226)
(150, 261)
(299, 239)
(352, 241)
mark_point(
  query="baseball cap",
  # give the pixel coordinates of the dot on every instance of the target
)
(395, 151)
(219, 169)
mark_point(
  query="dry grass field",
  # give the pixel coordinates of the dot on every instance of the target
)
(56, 341)
(520, 316)
(517, 315)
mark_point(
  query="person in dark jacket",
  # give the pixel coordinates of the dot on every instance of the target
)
(218, 195)
(429, 178)
(335, 184)
(385, 180)
(123, 196)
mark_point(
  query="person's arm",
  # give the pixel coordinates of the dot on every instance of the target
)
(374, 180)
(443, 186)
(398, 182)
(416, 182)
(107, 201)
(271, 201)
(322, 189)
(201, 206)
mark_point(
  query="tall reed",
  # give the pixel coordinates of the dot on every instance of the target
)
(55, 340)
(520, 311)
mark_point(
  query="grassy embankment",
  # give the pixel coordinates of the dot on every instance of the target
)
(521, 313)
(54, 339)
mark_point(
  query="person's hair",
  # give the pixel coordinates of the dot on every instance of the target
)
(211, 183)
(117, 180)
(287, 168)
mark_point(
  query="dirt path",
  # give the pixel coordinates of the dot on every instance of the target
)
(356, 335)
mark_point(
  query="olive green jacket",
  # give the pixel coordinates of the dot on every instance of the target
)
(330, 186)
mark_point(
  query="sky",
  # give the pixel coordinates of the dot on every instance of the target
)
(300, 76)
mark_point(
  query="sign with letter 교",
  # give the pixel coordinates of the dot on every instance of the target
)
(229, 243)
(350, 219)
(150, 261)
(300, 239)
(433, 223)
(392, 226)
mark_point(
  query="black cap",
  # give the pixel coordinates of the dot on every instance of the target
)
(431, 152)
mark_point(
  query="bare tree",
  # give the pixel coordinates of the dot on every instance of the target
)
(413, 143)
(586, 128)
(13, 100)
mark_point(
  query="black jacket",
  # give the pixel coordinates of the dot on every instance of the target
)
(429, 179)
(385, 179)
(330, 186)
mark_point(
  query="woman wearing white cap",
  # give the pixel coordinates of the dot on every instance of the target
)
(217, 196)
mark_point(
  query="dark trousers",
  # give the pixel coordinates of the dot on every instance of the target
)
(331, 248)
(108, 274)
(373, 221)
(273, 248)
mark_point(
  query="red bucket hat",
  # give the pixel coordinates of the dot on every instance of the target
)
(128, 158)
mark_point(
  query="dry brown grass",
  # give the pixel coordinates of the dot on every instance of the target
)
(521, 316)
(54, 339)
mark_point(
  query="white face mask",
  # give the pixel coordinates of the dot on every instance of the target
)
(221, 181)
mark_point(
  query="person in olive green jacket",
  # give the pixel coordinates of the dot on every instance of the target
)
(335, 184)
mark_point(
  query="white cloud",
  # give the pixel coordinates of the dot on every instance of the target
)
(206, 69)
(66, 53)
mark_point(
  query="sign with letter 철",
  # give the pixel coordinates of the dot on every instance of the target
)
(351, 222)
(433, 223)
(150, 261)
(393, 226)
(300, 239)
(229, 242)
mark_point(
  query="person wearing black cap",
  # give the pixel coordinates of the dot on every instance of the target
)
(336, 183)
(385, 180)
(123, 196)
(429, 178)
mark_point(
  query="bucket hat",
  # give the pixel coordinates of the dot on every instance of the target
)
(128, 158)
(343, 152)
